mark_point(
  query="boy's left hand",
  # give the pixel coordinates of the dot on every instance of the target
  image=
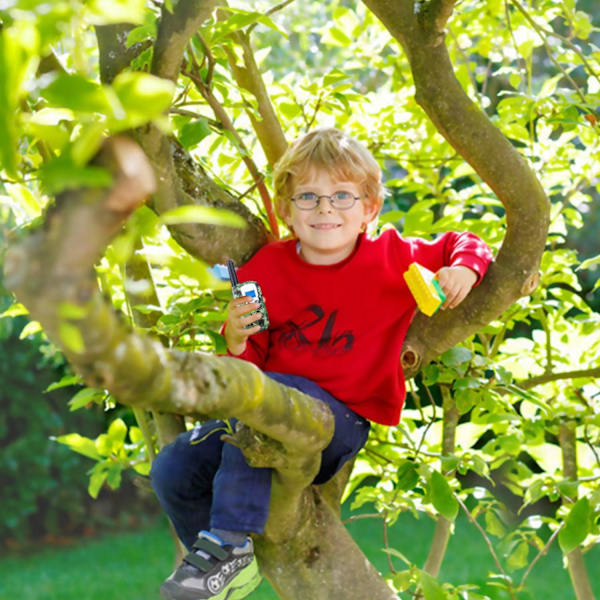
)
(457, 283)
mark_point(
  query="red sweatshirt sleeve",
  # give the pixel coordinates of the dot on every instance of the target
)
(256, 348)
(453, 249)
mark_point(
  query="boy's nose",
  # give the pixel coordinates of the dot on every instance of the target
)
(324, 205)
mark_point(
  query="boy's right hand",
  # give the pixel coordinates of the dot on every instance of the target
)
(238, 318)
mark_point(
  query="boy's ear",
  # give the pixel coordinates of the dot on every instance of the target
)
(284, 212)
(371, 210)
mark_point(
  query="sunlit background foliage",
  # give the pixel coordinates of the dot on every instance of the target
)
(519, 386)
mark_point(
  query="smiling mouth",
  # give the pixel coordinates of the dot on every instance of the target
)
(325, 226)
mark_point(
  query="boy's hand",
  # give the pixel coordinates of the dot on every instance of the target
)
(456, 282)
(237, 319)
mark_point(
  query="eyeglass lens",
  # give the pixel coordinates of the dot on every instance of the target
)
(340, 200)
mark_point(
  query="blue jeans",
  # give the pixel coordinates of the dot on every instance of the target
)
(204, 483)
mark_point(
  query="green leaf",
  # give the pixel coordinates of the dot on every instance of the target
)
(105, 12)
(31, 328)
(590, 262)
(334, 36)
(402, 580)
(202, 214)
(116, 433)
(97, 479)
(194, 132)
(71, 337)
(289, 110)
(14, 310)
(68, 310)
(65, 381)
(142, 468)
(62, 173)
(441, 496)
(407, 475)
(456, 356)
(114, 475)
(85, 396)
(142, 96)
(518, 557)
(80, 444)
(77, 93)
(494, 525)
(19, 45)
(577, 526)
(432, 589)
(136, 435)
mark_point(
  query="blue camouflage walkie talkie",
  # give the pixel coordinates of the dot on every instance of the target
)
(252, 290)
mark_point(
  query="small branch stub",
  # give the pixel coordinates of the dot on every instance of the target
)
(410, 359)
(530, 284)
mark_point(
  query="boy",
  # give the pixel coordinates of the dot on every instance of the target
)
(339, 310)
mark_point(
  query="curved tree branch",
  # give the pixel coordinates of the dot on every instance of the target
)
(468, 129)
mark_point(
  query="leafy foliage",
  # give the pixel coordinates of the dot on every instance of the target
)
(514, 387)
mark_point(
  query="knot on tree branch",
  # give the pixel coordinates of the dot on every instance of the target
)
(259, 450)
(410, 360)
(530, 284)
(296, 466)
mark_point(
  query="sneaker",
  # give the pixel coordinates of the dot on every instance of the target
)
(214, 570)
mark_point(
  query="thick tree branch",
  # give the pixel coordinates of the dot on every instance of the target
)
(174, 33)
(267, 127)
(436, 13)
(51, 271)
(467, 128)
(115, 55)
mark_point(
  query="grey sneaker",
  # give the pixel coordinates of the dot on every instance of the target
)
(214, 570)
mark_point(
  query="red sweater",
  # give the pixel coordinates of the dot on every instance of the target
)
(343, 325)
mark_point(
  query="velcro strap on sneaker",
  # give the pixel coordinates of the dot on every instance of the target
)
(211, 548)
(197, 561)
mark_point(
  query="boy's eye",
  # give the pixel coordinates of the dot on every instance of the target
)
(307, 196)
(342, 195)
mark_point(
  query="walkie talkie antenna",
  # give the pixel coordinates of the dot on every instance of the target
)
(232, 274)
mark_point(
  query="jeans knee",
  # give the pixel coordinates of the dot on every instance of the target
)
(163, 474)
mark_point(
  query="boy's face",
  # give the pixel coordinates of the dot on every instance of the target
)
(328, 235)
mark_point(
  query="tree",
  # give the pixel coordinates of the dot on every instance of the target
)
(187, 58)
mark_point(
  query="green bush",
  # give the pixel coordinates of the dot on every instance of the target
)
(44, 483)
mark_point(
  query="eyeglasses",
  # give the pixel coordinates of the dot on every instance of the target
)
(341, 200)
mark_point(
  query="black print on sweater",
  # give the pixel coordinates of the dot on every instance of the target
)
(316, 325)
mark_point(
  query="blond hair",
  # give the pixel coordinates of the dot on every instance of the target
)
(334, 151)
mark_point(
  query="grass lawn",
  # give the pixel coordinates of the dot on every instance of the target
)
(131, 565)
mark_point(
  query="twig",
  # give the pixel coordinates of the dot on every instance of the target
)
(567, 41)
(483, 533)
(276, 8)
(540, 32)
(541, 553)
(514, 41)
(360, 517)
(547, 377)
(205, 90)
(386, 543)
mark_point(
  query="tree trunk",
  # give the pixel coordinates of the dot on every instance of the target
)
(443, 527)
(575, 563)
(305, 551)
